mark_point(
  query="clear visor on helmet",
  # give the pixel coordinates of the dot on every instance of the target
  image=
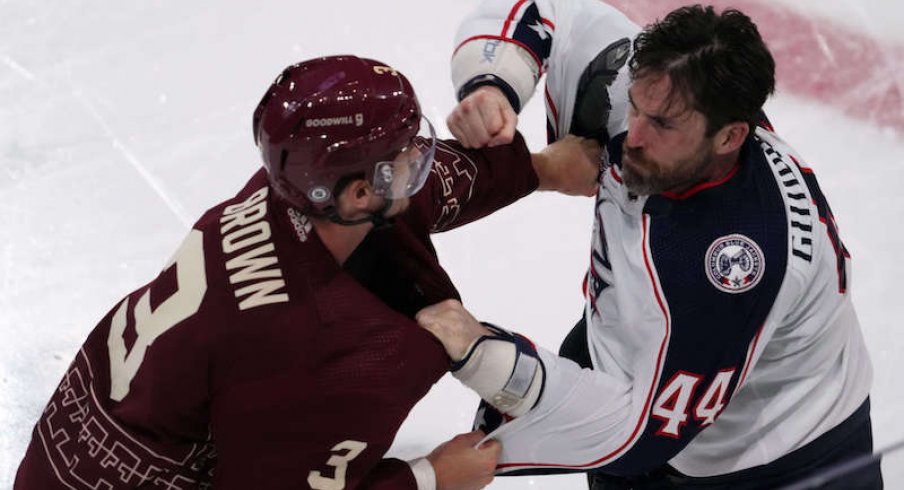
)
(407, 172)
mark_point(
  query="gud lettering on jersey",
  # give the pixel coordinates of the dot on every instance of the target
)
(800, 218)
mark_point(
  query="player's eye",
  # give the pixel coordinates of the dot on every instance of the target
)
(661, 123)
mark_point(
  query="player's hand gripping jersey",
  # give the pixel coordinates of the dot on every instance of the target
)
(255, 361)
(720, 328)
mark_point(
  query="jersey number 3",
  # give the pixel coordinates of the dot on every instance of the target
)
(182, 303)
(338, 461)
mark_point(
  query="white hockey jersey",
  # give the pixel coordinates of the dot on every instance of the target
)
(719, 321)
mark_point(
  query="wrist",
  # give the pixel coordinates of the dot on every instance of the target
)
(491, 82)
(545, 177)
(424, 474)
(468, 346)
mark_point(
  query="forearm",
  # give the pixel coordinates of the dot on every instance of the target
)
(467, 185)
(548, 179)
(549, 396)
(570, 166)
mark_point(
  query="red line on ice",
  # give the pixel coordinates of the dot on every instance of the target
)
(816, 58)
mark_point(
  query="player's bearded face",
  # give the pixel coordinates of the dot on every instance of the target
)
(666, 149)
(644, 175)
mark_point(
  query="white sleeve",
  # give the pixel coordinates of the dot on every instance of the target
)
(589, 35)
(423, 472)
(512, 43)
(580, 421)
(505, 42)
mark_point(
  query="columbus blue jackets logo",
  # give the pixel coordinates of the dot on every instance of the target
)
(734, 264)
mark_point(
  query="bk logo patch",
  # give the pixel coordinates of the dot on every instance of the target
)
(734, 264)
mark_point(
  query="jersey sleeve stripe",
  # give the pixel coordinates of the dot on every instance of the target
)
(552, 108)
(641, 422)
(803, 168)
(511, 17)
(644, 417)
(660, 360)
(750, 353)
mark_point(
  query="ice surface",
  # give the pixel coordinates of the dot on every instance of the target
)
(120, 122)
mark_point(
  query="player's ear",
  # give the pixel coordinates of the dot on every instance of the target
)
(355, 199)
(730, 138)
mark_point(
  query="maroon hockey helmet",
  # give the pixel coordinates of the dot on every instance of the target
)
(338, 116)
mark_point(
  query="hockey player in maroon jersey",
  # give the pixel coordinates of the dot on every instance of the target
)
(277, 348)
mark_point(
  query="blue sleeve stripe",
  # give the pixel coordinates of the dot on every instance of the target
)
(660, 361)
(525, 26)
(552, 118)
(511, 17)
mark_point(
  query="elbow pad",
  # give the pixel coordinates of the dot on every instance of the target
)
(504, 369)
(499, 62)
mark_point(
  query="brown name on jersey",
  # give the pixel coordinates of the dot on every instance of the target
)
(251, 255)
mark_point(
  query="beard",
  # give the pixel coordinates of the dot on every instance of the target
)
(644, 176)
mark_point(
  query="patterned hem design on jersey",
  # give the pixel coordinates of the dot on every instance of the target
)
(89, 450)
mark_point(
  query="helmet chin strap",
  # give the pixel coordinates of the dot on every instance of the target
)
(379, 218)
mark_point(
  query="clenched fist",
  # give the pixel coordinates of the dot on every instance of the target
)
(483, 118)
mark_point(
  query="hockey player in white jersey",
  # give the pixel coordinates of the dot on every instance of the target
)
(719, 346)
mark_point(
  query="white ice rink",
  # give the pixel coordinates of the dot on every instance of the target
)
(121, 122)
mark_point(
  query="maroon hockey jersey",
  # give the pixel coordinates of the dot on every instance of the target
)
(254, 360)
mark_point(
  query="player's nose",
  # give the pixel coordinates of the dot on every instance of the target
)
(636, 133)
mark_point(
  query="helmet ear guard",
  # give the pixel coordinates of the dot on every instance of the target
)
(327, 118)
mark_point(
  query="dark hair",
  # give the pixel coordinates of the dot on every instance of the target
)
(717, 63)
